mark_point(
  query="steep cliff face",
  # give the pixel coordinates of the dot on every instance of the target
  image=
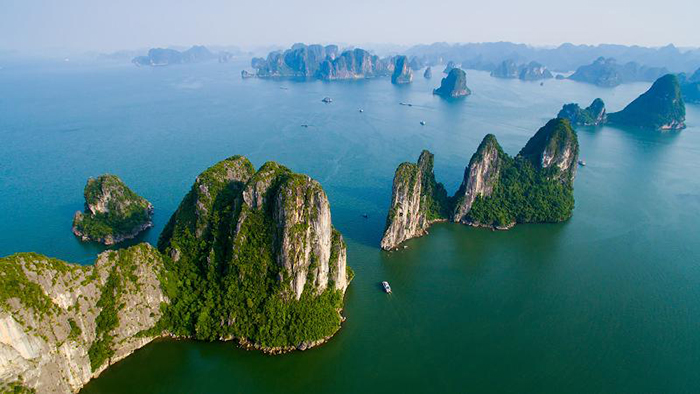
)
(480, 176)
(299, 61)
(555, 145)
(593, 115)
(661, 107)
(62, 324)
(497, 191)
(113, 212)
(416, 202)
(256, 244)
(428, 73)
(402, 71)
(454, 85)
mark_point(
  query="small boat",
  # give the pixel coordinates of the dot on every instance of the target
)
(387, 288)
(406, 104)
(582, 163)
(305, 125)
(327, 100)
(541, 83)
(362, 110)
(422, 123)
(364, 215)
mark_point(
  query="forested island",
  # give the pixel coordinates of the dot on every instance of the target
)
(661, 107)
(249, 255)
(113, 212)
(497, 191)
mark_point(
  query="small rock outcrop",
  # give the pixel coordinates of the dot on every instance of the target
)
(245, 74)
(507, 69)
(450, 65)
(417, 201)
(534, 71)
(428, 73)
(263, 244)
(402, 71)
(661, 107)
(454, 85)
(62, 324)
(593, 115)
(497, 191)
(113, 212)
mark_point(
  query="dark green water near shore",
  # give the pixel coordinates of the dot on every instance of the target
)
(607, 302)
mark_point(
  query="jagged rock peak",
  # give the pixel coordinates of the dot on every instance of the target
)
(428, 73)
(593, 115)
(454, 85)
(661, 107)
(480, 177)
(113, 212)
(417, 201)
(402, 71)
(555, 145)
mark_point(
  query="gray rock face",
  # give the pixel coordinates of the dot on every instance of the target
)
(480, 177)
(534, 71)
(416, 202)
(402, 71)
(428, 73)
(554, 145)
(450, 65)
(454, 85)
(48, 330)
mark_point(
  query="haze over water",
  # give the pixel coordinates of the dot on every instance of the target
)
(608, 301)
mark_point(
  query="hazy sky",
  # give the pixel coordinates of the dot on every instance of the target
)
(35, 25)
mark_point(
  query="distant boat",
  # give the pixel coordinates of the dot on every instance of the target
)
(406, 104)
(304, 125)
(582, 163)
(327, 100)
(541, 83)
(362, 110)
(364, 215)
(387, 288)
(422, 123)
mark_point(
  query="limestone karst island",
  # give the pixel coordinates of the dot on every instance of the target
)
(314, 197)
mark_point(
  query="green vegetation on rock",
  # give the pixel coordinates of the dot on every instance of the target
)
(226, 279)
(660, 107)
(113, 212)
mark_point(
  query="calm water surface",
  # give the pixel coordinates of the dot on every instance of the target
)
(608, 302)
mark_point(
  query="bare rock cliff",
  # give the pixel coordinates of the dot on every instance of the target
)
(62, 324)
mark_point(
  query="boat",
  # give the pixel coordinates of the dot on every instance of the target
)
(305, 125)
(362, 110)
(387, 288)
(582, 163)
(364, 215)
(422, 123)
(406, 104)
(327, 100)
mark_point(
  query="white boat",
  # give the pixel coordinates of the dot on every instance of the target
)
(362, 110)
(387, 288)
(327, 100)
(582, 163)
(422, 123)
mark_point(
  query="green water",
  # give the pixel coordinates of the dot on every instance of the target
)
(608, 302)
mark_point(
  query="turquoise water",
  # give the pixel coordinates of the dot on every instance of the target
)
(606, 302)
